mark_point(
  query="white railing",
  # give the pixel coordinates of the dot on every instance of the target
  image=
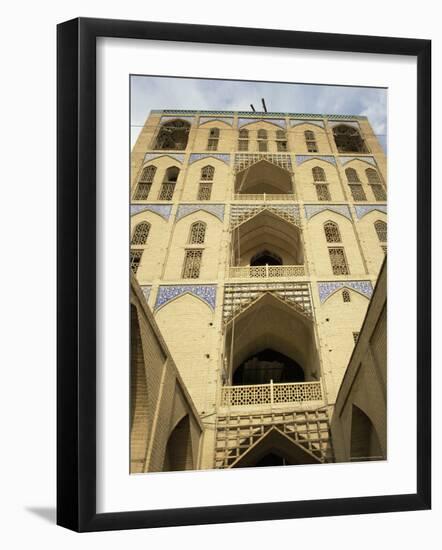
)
(266, 271)
(269, 394)
(264, 197)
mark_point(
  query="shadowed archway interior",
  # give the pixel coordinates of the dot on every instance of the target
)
(268, 365)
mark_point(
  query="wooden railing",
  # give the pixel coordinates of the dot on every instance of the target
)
(269, 394)
(264, 197)
(265, 271)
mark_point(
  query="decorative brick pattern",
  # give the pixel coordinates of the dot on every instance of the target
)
(362, 210)
(198, 156)
(370, 160)
(227, 120)
(313, 209)
(297, 121)
(278, 121)
(327, 289)
(161, 209)
(186, 209)
(151, 156)
(207, 293)
(326, 158)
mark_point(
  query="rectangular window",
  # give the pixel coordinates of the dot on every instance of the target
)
(378, 192)
(204, 191)
(281, 145)
(357, 192)
(166, 192)
(322, 192)
(243, 145)
(212, 145)
(135, 259)
(192, 264)
(262, 145)
(338, 261)
(142, 191)
(312, 147)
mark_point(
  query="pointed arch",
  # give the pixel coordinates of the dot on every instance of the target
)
(197, 233)
(144, 184)
(346, 296)
(364, 442)
(381, 230)
(173, 135)
(348, 139)
(318, 173)
(263, 177)
(178, 455)
(207, 173)
(352, 175)
(372, 175)
(140, 233)
(332, 233)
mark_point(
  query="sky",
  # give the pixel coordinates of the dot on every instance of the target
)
(153, 92)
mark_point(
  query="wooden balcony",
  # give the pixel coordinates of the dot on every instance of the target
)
(270, 394)
(266, 271)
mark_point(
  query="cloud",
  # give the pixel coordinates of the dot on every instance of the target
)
(150, 92)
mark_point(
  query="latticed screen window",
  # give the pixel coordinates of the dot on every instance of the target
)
(338, 261)
(144, 183)
(352, 175)
(207, 173)
(318, 174)
(322, 192)
(346, 296)
(357, 192)
(140, 234)
(212, 144)
(378, 192)
(135, 259)
(372, 176)
(204, 191)
(355, 337)
(332, 234)
(281, 140)
(197, 233)
(381, 230)
(310, 141)
(262, 140)
(166, 192)
(192, 264)
(243, 142)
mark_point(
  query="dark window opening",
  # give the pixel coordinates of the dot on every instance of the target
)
(268, 365)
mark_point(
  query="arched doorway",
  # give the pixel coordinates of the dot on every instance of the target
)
(265, 366)
(178, 454)
(138, 396)
(364, 444)
(173, 135)
(263, 177)
(266, 258)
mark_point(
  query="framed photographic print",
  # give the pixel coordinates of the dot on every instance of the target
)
(224, 348)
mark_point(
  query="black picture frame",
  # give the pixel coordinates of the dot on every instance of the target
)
(76, 274)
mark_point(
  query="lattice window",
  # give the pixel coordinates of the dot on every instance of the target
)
(348, 139)
(352, 175)
(166, 192)
(379, 192)
(357, 192)
(192, 264)
(338, 261)
(310, 141)
(355, 337)
(243, 142)
(318, 174)
(144, 183)
(204, 191)
(322, 192)
(346, 296)
(281, 140)
(140, 234)
(332, 234)
(135, 259)
(262, 140)
(168, 186)
(212, 143)
(384, 249)
(207, 173)
(381, 230)
(197, 233)
(372, 175)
